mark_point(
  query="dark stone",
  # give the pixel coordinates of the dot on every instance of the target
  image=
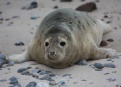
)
(34, 4)
(82, 62)
(46, 77)
(34, 17)
(1, 63)
(35, 71)
(52, 83)
(15, 17)
(97, 1)
(105, 16)
(111, 79)
(26, 73)
(110, 40)
(88, 7)
(32, 84)
(56, 7)
(103, 43)
(10, 63)
(99, 65)
(13, 80)
(3, 80)
(19, 44)
(52, 75)
(22, 69)
(108, 22)
(2, 56)
(0, 12)
(66, 0)
(1, 19)
(82, 0)
(61, 83)
(111, 65)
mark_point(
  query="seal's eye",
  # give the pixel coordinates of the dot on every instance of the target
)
(62, 43)
(46, 44)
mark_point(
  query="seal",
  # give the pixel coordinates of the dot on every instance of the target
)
(65, 37)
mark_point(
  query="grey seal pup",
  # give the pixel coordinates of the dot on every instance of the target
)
(64, 38)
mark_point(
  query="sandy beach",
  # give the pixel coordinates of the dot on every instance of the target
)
(18, 26)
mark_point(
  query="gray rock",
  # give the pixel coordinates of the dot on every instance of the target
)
(52, 83)
(19, 44)
(2, 56)
(3, 80)
(111, 79)
(22, 69)
(33, 17)
(111, 65)
(46, 77)
(13, 80)
(52, 75)
(61, 83)
(32, 84)
(10, 63)
(35, 71)
(44, 72)
(1, 63)
(99, 65)
(82, 62)
(42, 84)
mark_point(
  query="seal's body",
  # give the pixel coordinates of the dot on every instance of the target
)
(64, 38)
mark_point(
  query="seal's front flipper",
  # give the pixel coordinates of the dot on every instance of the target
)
(18, 58)
(101, 53)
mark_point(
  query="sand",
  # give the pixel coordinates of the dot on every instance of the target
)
(23, 29)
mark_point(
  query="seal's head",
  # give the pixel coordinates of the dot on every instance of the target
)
(57, 40)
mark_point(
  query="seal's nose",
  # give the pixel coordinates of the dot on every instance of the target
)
(52, 53)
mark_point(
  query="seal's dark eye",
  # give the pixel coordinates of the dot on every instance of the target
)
(62, 43)
(46, 44)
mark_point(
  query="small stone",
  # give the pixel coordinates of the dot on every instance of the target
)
(109, 59)
(10, 63)
(52, 83)
(13, 80)
(0, 12)
(33, 17)
(32, 84)
(103, 43)
(34, 71)
(56, 7)
(98, 69)
(1, 63)
(111, 65)
(97, 1)
(2, 56)
(99, 65)
(88, 7)
(110, 40)
(83, 80)
(61, 83)
(10, 23)
(66, 0)
(111, 79)
(15, 17)
(82, 62)
(82, 0)
(42, 84)
(52, 75)
(22, 69)
(106, 73)
(8, 3)
(105, 16)
(19, 44)
(108, 22)
(26, 73)
(1, 19)
(34, 4)
(3, 80)
(47, 77)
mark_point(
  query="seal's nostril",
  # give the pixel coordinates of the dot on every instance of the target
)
(52, 53)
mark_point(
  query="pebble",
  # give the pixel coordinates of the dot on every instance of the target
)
(22, 69)
(26, 73)
(3, 80)
(52, 83)
(99, 65)
(13, 80)
(34, 71)
(10, 23)
(19, 44)
(55, 7)
(46, 77)
(88, 7)
(33, 17)
(82, 62)
(52, 75)
(111, 65)
(44, 72)
(66, 0)
(34, 4)
(32, 84)
(62, 83)
(2, 56)
(42, 84)
(111, 79)
(10, 63)
(1, 63)
(15, 17)
(110, 40)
